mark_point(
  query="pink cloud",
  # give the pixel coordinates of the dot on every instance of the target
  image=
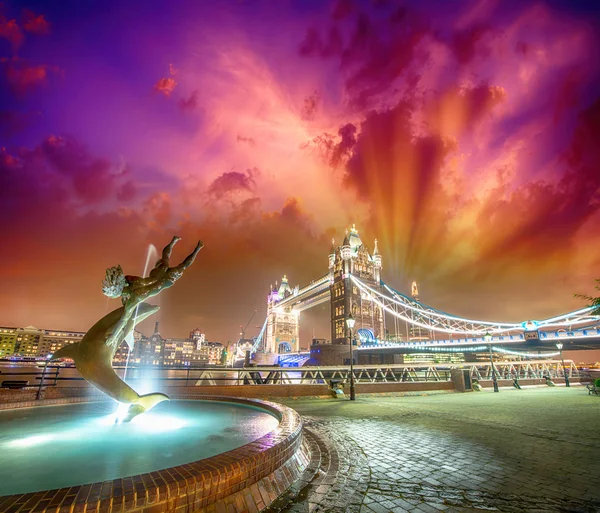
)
(232, 182)
(190, 103)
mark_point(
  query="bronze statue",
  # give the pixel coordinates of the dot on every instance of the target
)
(93, 355)
(134, 290)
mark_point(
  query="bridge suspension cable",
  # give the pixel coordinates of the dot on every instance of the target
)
(577, 317)
(405, 308)
(259, 338)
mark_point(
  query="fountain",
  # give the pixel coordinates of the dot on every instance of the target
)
(183, 454)
(130, 340)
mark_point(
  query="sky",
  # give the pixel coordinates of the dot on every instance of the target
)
(464, 136)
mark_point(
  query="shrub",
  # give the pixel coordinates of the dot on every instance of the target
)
(597, 383)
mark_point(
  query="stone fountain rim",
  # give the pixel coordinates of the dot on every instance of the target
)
(196, 484)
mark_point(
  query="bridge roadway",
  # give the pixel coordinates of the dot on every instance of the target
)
(588, 338)
(312, 295)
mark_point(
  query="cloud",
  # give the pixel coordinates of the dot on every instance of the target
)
(456, 110)
(469, 43)
(23, 78)
(309, 108)
(375, 54)
(191, 103)
(248, 140)
(232, 182)
(79, 245)
(341, 150)
(14, 122)
(166, 86)
(65, 163)
(449, 142)
(342, 9)
(157, 208)
(315, 46)
(35, 24)
(10, 30)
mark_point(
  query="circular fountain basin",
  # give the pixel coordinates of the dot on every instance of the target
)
(47, 446)
(62, 446)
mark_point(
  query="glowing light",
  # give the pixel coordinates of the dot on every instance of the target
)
(30, 441)
(429, 312)
(518, 353)
(121, 412)
(530, 325)
(157, 423)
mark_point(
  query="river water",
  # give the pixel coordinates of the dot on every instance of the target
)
(70, 377)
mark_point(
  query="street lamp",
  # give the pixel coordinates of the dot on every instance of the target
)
(488, 338)
(350, 323)
(560, 346)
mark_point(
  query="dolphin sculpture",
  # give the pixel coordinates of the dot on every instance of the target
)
(93, 357)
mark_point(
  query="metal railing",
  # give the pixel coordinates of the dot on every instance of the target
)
(55, 376)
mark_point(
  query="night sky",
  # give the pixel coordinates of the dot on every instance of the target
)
(464, 135)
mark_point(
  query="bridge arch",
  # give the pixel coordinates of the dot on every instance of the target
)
(284, 347)
(366, 335)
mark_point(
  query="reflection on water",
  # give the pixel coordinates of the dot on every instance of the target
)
(57, 446)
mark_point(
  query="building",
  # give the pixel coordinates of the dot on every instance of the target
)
(214, 352)
(282, 321)
(179, 352)
(51, 341)
(353, 257)
(197, 336)
(150, 351)
(28, 341)
(8, 341)
(194, 351)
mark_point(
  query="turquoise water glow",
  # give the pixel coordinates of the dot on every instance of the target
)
(57, 446)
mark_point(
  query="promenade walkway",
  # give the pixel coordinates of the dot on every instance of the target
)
(534, 450)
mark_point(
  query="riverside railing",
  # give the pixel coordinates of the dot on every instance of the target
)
(255, 376)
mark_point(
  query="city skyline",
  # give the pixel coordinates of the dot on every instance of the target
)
(463, 139)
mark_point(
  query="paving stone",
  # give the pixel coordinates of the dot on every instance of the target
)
(529, 450)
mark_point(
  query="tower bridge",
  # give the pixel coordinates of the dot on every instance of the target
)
(354, 285)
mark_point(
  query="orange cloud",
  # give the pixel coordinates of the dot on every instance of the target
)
(165, 86)
(461, 109)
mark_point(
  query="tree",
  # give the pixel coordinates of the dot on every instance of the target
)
(594, 302)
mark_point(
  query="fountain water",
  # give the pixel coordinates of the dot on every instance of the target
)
(151, 251)
(121, 412)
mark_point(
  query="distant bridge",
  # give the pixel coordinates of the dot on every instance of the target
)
(354, 286)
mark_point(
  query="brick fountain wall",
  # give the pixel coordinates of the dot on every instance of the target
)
(246, 479)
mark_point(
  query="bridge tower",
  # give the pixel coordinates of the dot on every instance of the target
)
(352, 257)
(416, 332)
(283, 332)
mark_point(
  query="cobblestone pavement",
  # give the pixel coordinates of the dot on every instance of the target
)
(534, 450)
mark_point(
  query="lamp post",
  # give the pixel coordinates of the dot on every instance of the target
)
(350, 323)
(488, 338)
(560, 346)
